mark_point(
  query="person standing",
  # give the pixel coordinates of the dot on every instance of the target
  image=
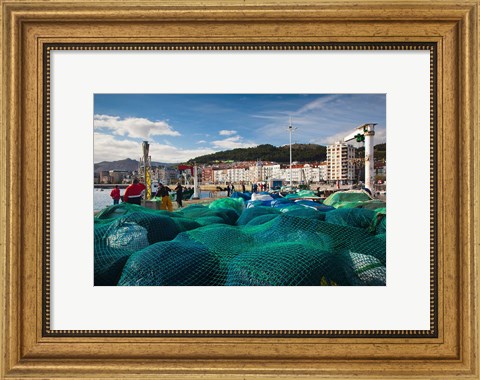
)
(254, 188)
(115, 194)
(179, 196)
(133, 193)
(243, 187)
(228, 190)
(163, 191)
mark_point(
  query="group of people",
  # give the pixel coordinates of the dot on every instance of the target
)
(260, 187)
(134, 192)
(255, 187)
(164, 192)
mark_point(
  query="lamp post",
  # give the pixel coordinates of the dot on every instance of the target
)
(290, 130)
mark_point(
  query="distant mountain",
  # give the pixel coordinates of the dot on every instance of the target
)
(126, 164)
(267, 152)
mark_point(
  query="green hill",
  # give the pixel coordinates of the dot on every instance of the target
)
(281, 154)
(267, 152)
(379, 151)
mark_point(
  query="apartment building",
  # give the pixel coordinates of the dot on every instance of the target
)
(207, 175)
(220, 176)
(340, 165)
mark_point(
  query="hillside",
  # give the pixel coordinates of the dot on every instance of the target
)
(379, 151)
(267, 152)
(126, 164)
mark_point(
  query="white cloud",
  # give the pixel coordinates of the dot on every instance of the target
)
(226, 132)
(317, 104)
(133, 127)
(233, 143)
(201, 141)
(110, 148)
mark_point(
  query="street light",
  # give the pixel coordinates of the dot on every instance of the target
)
(291, 129)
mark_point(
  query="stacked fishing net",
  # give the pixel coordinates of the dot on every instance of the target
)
(227, 243)
(353, 199)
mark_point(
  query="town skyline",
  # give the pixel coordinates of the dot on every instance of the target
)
(180, 127)
(341, 163)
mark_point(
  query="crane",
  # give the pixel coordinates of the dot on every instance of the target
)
(364, 133)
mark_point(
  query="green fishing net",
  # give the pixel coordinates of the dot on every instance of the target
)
(302, 194)
(225, 244)
(346, 196)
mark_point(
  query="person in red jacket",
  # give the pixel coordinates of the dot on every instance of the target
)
(115, 194)
(133, 193)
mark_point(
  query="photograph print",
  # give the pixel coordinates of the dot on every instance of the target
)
(239, 189)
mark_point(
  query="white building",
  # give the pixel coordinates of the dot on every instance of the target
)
(165, 175)
(256, 172)
(220, 176)
(238, 174)
(340, 163)
(323, 171)
(263, 172)
(271, 171)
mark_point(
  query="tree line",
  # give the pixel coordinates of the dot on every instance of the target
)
(267, 152)
(281, 154)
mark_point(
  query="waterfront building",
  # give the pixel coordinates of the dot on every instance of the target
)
(271, 170)
(297, 172)
(167, 175)
(262, 171)
(104, 177)
(117, 176)
(238, 174)
(220, 176)
(207, 175)
(340, 161)
(256, 173)
(322, 172)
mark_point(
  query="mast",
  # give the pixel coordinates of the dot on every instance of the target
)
(146, 169)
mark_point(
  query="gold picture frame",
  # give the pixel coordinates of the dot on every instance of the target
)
(30, 26)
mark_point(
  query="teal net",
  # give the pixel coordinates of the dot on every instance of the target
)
(254, 212)
(226, 244)
(302, 194)
(236, 204)
(373, 204)
(341, 197)
(294, 264)
(171, 263)
(362, 218)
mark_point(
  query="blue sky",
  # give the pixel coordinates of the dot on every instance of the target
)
(183, 126)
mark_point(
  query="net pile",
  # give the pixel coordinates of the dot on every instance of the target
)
(229, 244)
(353, 199)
